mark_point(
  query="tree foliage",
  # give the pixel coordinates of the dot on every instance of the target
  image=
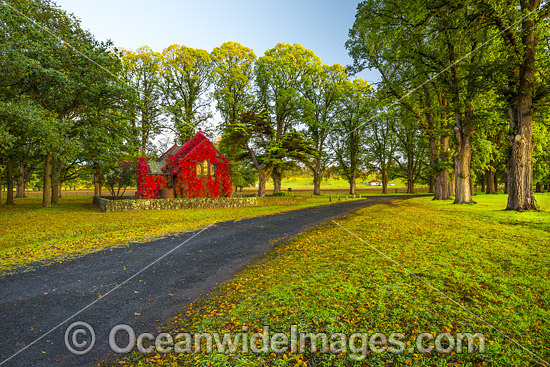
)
(186, 77)
(462, 100)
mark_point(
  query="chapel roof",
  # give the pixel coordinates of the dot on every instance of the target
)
(179, 151)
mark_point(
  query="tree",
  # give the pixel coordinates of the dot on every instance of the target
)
(21, 118)
(411, 150)
(186, 78)
(280, 74)
(141, 71)
(489, 146)
(520, 89)
(32, 125)
(381, 145)
(243, 174)
(55, 71)
(348, 138)
(233, 80)
(233, 76)
(429, 61)
(45, 75)
(254, 135)
(391, 37)
(443, 39)
(541, 153)
(6, 139)
(321, 92)
(105, 128)
(119, 176)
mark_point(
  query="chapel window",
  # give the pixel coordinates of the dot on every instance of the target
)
(199, 169)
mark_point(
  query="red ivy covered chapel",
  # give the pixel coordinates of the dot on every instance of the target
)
(194, 170)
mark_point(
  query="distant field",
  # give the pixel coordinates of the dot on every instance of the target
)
(370, 190)
(330, 183)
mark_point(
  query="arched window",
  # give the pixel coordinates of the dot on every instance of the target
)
(205, 168)
(199, 169)
(213, 170)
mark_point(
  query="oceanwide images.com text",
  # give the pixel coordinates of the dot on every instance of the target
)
(80, 339)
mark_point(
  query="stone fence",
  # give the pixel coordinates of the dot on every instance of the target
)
(107, 204)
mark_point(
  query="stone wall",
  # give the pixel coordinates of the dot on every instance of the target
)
(101, 203)
(107, 205)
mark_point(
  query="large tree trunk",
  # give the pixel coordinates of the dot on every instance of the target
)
(490, 175)
(316, 184)
(261, 183)
(352, 184)
(463, 135)
(384, 182)
(441, 175)
(410, 186)
(441, 185)
(20, 189)
(56, 177)
(410, 173)
(520, 114)
(55, 190)
(277, 182)
(483, 178)
(47, 189)
(317, 179)
(9, 181)
(97, 182)
(431, 185)
(463, 157)
(520, 162)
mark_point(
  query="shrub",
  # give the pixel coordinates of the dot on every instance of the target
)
(119, 177)
(282, 193)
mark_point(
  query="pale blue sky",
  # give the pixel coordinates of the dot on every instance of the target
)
(321, 26)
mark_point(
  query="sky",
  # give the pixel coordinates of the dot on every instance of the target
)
(321, 25)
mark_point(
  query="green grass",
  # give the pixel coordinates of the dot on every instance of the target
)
(30, 233)
(493, 262)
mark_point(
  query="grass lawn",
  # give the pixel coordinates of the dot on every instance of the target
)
(31, 233)
(494, 263)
